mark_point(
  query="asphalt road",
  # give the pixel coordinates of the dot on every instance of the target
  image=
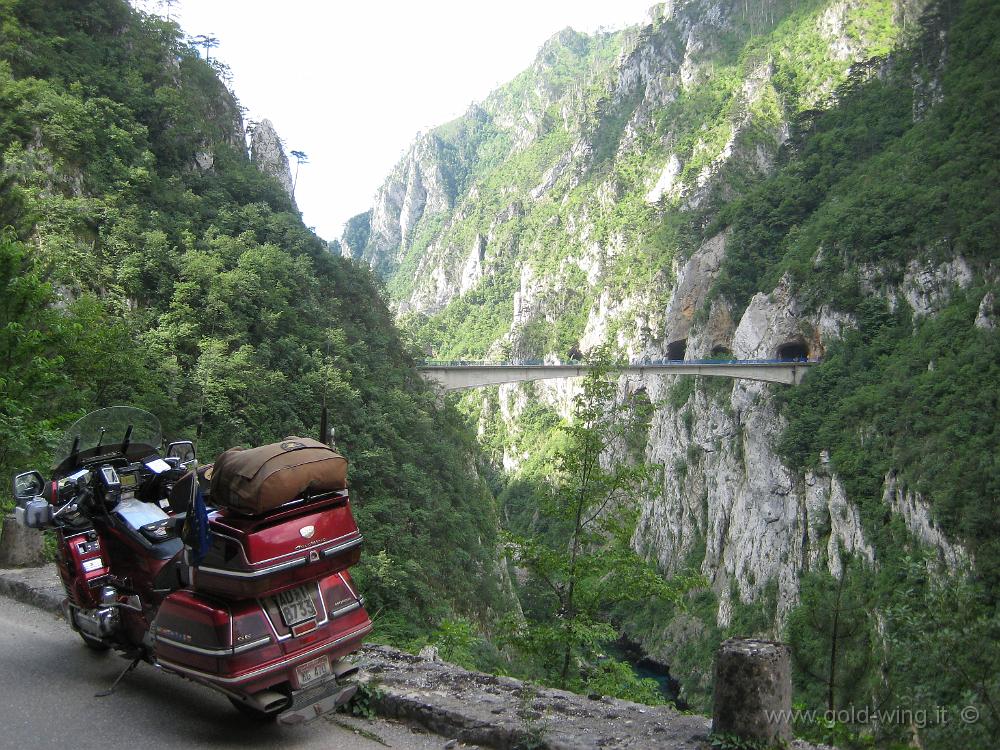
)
(47, 701)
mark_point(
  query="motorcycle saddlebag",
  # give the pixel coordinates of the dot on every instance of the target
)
(257, 480)
(248, 645)
(256, 555)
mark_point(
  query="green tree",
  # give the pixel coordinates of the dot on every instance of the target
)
(945, 625)
(831, 636)
(32, 338)
(207, 42)
(300, 158)
(581, 558)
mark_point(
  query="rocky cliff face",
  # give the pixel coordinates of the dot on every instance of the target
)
(415, 188)
(725, 489)
(223, 114)
(268, 154)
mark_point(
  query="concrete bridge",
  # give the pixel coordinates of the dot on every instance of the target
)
(457, 375)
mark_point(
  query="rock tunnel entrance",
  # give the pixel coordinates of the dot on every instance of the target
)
(721, 352)
(676, 350)
(793, 351)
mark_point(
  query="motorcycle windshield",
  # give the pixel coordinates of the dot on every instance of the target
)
(111, 432)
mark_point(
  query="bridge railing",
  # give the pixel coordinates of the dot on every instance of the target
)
(619, 365)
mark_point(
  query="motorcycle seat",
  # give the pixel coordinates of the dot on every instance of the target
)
(179, 496)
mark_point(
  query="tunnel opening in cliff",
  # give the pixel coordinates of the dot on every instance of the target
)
(793, 350)
(677, 349)
(721, 352)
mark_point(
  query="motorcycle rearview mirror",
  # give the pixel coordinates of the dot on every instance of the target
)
(27, 485)
(184, 452)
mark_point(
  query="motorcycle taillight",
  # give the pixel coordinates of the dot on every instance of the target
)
(250, 628)
(339, 594)
(253, 643)
(205, 623)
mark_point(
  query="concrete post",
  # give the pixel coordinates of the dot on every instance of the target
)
(20, 547)
(753, 690)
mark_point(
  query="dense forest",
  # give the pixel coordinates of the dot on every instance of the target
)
(144, 260)
(903, 169)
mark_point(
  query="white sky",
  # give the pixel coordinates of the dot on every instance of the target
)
(351, 83)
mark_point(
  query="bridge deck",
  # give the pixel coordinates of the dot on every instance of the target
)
(453, 375)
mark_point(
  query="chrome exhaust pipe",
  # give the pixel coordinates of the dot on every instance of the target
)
(343, 669)
(268, 701)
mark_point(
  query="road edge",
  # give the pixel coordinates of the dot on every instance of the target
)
(38, 587)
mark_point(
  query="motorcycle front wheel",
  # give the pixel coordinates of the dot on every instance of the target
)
(94, 644)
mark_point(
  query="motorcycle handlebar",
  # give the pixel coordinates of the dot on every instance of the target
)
(74, 502)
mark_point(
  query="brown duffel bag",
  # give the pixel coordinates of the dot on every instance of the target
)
(256, 480)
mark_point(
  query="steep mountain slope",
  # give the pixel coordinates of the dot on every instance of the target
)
(814, 178)
(146, 260)
(556, 185)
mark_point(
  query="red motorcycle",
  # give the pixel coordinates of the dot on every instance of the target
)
(255, 604)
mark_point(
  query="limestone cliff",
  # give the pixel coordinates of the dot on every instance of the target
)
(584, 152)
(416, 187)
(222, 114)
(267, 152)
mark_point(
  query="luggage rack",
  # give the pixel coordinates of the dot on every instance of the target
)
(333, 497)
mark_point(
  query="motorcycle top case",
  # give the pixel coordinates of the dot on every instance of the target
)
(248, 645)
(257, 480)
(254, 556)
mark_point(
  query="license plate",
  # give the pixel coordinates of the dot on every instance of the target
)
(296, 605)
(313, 670)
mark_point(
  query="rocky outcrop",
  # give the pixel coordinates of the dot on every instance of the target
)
(724, 490)
(927, 288)
(224, 117)
(916, 514)
(502, 712)
(769, 322)
(690, 291)
(727, 492)
(472, 271)
(416, 187)
(268, 154)
(357, 230)
(986, 315)
(667, 184)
